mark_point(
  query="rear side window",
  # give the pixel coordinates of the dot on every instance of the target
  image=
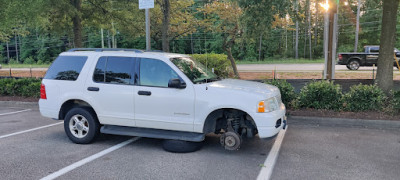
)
(374, 50)
(66, 68)
(114, 70)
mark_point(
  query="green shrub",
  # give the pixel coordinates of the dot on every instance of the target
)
(321, 95)
(220, 63)
(364, 97)
(395, 102)
(27, 87)
(287, 90)
(29, 60)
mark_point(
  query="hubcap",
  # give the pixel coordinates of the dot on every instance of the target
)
(230, 141)
(79, 126)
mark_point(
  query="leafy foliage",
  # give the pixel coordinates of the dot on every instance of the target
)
(321, 95)
(364, 97)
(287, 91)
(219, 62)
(27, 87)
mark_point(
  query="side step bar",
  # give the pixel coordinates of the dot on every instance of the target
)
(152, 133)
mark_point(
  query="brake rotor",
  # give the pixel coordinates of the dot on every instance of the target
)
(230, 140)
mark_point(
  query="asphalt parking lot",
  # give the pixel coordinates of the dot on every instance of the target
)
(34, 147)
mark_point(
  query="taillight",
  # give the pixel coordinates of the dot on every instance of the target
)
(42, 92)
(340, 57)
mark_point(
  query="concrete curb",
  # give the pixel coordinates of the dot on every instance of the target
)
(323, 121)
(31, 105)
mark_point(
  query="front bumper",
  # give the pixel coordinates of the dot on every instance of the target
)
(269, 124)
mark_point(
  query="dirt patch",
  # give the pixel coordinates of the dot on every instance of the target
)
(308, 75)
(370, 115)
(18, 98)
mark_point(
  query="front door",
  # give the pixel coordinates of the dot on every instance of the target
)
(111, 89)
(158, 106)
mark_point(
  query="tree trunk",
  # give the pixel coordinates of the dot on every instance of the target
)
(259, 49)
(16, 47)
(165, 25)
(316, 24)
(77, 23)
(357, 25)
(384, 75)
(296, 48)
(230, 57)
(309, 28)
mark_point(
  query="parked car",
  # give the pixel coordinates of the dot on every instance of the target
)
(156, 95)
(369, 57)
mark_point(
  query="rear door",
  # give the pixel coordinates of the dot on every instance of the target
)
(158, 106)
(111, 90)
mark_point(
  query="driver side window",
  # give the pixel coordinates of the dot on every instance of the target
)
(155, 73)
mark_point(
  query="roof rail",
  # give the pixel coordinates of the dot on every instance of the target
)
(154, 51)
(104, 49)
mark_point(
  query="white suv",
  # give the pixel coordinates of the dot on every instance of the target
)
(157, 95)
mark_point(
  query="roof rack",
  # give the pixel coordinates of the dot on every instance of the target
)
(104, 49)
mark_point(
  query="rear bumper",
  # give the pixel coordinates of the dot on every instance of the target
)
(46, 110)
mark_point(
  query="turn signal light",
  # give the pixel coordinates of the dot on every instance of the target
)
(261, 107)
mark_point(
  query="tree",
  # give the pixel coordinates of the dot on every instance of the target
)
(223, 17)
(165, 8)
(384, 76)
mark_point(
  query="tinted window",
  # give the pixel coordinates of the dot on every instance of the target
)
(116, 70)
(155, 73)
(66, 68)
(374, 50)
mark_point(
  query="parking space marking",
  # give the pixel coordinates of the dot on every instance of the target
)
(266, 170)
(15, 112)
(88, 159)
(29, 130)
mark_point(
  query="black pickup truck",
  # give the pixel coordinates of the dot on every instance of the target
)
(369, 57)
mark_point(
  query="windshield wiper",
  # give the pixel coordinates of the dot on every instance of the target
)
(206, 80)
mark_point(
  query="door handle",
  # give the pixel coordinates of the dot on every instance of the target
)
(144, 93)
(93, 89)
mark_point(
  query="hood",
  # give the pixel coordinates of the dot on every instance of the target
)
(246, 86)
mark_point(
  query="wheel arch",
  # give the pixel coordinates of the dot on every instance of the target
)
(72, 103)
(211, 120)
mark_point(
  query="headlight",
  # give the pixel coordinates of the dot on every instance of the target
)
(268, 105)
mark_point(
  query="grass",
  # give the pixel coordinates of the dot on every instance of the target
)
(282, 61)
(6, 66)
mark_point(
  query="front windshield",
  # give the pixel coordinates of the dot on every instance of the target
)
(194, 70)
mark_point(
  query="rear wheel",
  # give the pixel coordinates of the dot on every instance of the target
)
(81, 125)
(353, 65)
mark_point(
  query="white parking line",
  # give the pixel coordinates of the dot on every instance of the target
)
(29, 130)
(266, 170)
(88, 159)
(15, 112)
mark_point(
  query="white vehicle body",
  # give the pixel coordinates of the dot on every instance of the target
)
(185, 109)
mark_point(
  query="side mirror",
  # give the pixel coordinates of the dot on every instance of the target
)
(176, 83)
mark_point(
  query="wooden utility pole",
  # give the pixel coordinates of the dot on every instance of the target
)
(357, 25)
(332, 12)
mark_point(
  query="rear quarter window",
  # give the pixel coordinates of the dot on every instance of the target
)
(66, 68)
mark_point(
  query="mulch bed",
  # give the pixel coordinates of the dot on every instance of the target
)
(18, 98)
(369, 115)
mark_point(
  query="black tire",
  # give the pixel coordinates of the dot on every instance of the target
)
(88, 119)
(178, 146)
(353, 65)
